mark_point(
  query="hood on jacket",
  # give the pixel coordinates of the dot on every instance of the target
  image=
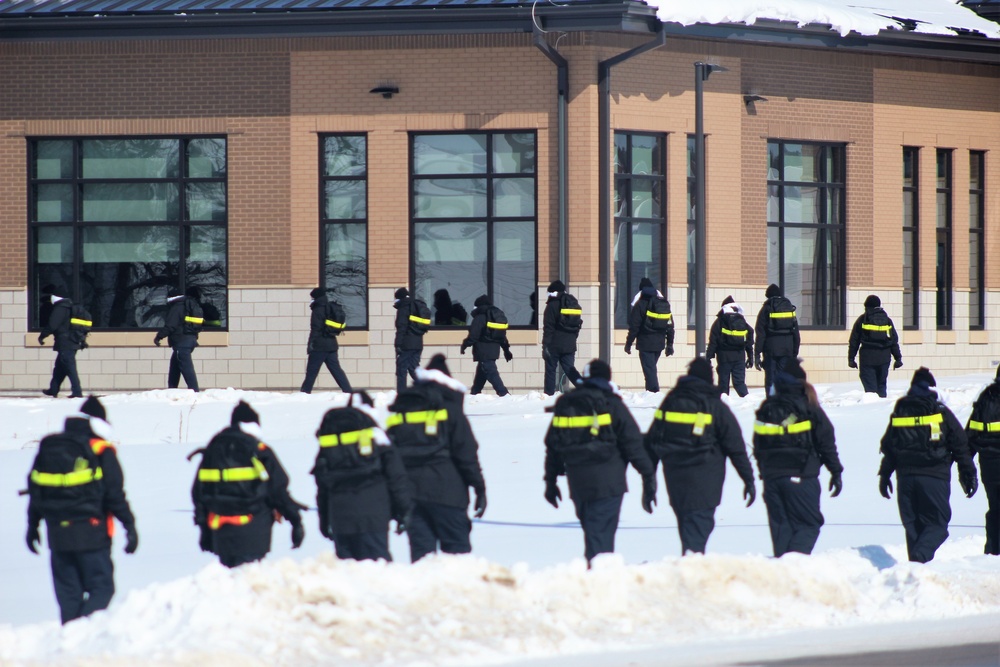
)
(647, 293)
(731, 308)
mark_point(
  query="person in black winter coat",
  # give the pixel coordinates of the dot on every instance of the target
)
(239, 491)
(181, 325)
(322, 346)
(66, 345)
(876, 335)
(439, 450)
(777, 331)
(983, 431)
(920, 443)
(592, 439)
(651, 328)
(561, 323)
(731, 341)
(792, 436)
(408, 342)
(78, 507)
(486, 338)
(693, 433)
(360, 480)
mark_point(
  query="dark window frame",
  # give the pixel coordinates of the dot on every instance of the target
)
(944, 241)
(912, 192)
(690, 149)
(977, 231)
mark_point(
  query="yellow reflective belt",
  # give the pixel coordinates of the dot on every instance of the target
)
(429, 418)
(782, 315)
(659, 316)
(80, 323)
(75, 478)
(335, 325)
(593, 422)
(739, 333)
(194, 320)
(257, 471)
(699, 420)
(362, 438)
(874, 327)
(571, 311)
(496, 325)
(988, 427)
(216, 521)
(763, 428)
(420, 320)
(934, 421)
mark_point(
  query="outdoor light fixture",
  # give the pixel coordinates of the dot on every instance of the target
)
(385, 90)
(748, 101)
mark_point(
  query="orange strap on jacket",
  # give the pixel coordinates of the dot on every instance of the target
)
(216, 521)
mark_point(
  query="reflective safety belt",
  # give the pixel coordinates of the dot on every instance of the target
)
(216, 521)
(335, 325)
(194, 320)
(362, 438)
(80, 323)
(429, 418)
(763, 428)
(571, 311)
(885, 328)
(420, 320)
(934, 421)
(986, 427)
(496, 325)
(659, 316)
(214, 323)
(257, 471)
(781, 316)
(738, 333)
(699, 420)
(593, 422)
(82, 474)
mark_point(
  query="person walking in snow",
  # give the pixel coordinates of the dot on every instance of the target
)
(561, 324)
(651, 328)
(413, 319)
(983, 431)
(592, 438)
(693, 433)
(66, 343)
(183, 323)
(875, 335)
(239, 491)
(487, 335)
(731, 341)
(920, 443)
(792, 436)
(429, 428)
(77, 486)
(326, 322)
(777, 331)
(360, 482)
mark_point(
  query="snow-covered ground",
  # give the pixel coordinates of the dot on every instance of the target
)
(525, 594)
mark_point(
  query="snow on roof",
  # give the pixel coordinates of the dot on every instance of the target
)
(866, 17)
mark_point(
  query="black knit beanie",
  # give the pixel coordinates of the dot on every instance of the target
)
(597, 369)
(922, 376)
(772, 290)
(316, 292)
(244, 413)
(873, 301)
(402, 293)
(438, 363)
(93, 407)
(556, 286)
(645, 282)
(701, 368)
(728, 299)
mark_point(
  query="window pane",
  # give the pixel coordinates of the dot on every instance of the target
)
(774, 203)
(451, 256)
(645, 261)
(943, 203)
(691, 270)
(344, 156)
(621, 153)
(646, 198)
(130, 202)
(346, 269)
(773, 161)
(909, 167)
(909, 199)
(514, 274)
(345, 200)
(53, 159)
(131, 158)
(53, 266)
(975, 221)
(774, 255)
(53, 203)
(450, 198)
(206, 266)
(514, 197)
(909, 318)
(943, 169)
(206, 158)
(802, 162)
(206, 201)
(514, 153)
(645, 155)
(622, 198)
(449, 154)
(801, 204)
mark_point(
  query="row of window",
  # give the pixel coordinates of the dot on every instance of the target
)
(115, 222)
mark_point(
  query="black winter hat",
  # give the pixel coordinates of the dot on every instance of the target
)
(244, 413)
(922, 376)
(701, 368)
(597, 369)
(317, 292)
(483, 300)
(93, 407)
(438, 363)
(402, 293)
(873, 301)
(998, 372)
(361, 397)
(173, 291)
(645, 282)
(728, 299)
(794, 368)
(556, 286)
(193, 292)
(772, 290)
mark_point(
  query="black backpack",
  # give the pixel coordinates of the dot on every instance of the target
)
(985, 411)
(734, 332)
(336, 319)
(569, 317)
(213, 318)
(682, 430)
(417, 425)
(80, 323)
(194, 317)
(495, 330)
(581, 428)
(420, 317)
(65, 480)
(658, 315)
(875, 329)
(232, 449)
(916, 433)
(781, 319)
(346, 450)
(782, 432)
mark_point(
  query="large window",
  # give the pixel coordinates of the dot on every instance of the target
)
(640, 216)
(344, 224)
(473, 212)
(115, 222)
(977, 249)
(943, 239)
(911, 238)
(805, 228)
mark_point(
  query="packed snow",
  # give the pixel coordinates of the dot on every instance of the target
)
(525, 594)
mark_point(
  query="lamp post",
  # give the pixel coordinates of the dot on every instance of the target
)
(701, 73)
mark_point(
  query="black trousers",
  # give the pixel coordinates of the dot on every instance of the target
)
(738, 371)
(433, 525)
(84, 581)
(694, 527)
(332, 361)
(552, 362)
(992, 517)
(235, 560)
(363, 546)
(65, 367)
(486, 371)
(648, 362)
(599, 520)
(772, 364)
(793, 513)
(181, 365)
(874, 378)
(407, 362)
(925, 510)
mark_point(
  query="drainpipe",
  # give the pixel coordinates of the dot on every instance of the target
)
(604, 232)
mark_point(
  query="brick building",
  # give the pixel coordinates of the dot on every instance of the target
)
(259, 148)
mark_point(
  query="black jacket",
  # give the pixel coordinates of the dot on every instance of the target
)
(873, 354)
(646, 339)
(72, 529)
(985, 443)
(58, 326)
(774, 462)
(774, 344)
(606, 479)
(173, 325)
(728, 346)
(694, 475)
(483, 350)
(321, 338)
(405, 338)
(554, 339)
(936, 459)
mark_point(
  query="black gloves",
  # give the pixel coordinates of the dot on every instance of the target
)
(749, 492)
(205, 539)
(757, 363)
(465, 346)
(33, 539)
(897, 364)
(508, 355)
(628, 348)
(851, 363)
(480, 503)
(298, 534)
(402, 523)
(648, 492)
(885, 486)
(969, 482)
(836, 484)
(670, 350)
(749, 363)
(552, 493)
(41, 339)
(131, 539)
(156, 341)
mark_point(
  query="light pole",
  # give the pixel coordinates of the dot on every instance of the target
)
(701, 73)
